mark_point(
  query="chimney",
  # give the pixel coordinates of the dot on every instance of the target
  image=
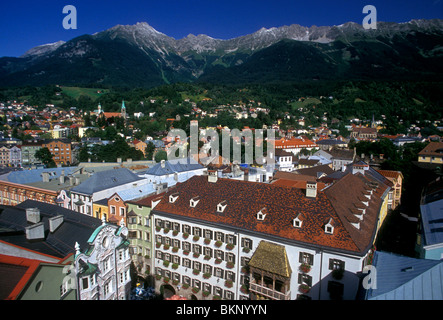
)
(71, 180)
(55, 222)
(62, 177)
(161, 187)
(163, 163)
(175, 176)
(45, 176)
(311, 189)
(33, 215)
(35, 232)
(77, 181)
(212, 176)
(359, 168)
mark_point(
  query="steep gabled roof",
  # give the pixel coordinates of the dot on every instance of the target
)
(348, 197)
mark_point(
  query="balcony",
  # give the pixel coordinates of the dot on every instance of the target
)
(268, 291)
(270, 272)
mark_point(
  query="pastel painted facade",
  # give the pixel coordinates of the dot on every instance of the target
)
(102, 185)
(141, 234)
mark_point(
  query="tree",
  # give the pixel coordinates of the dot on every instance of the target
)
(45, 156)
(150, 149)
(161, 155)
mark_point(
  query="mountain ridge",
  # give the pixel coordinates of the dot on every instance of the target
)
(139, 55)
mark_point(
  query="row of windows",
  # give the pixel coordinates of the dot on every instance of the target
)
(200, 232)
(195, 248)
(218, 254)
(195, 283)
(334, 264)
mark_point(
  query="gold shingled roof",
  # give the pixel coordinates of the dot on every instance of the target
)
(271, 257)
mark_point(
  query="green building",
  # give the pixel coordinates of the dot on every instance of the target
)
(140, 233)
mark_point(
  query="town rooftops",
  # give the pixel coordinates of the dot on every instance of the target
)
(243, 202)
(70, 227)
(106, 179)
(173, 166)
(35, 175)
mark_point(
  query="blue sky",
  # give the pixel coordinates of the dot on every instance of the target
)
(26, 24)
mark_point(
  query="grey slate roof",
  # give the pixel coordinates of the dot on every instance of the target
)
(106, 179)
(432, 222)
(35, 175)
(404, 278)
(76, 227)
(172, 166)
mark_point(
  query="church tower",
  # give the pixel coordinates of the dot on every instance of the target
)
(123, 110)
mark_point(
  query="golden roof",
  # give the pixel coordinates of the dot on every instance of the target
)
(271, 257)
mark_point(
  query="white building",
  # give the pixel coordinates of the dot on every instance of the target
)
(228, 239)
(103, 270)
(103, 185)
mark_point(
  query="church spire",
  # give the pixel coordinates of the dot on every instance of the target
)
(123, 110)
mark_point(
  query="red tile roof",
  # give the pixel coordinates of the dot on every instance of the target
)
(245, 199)
(390, 173)
(432, 149)
(293, 143)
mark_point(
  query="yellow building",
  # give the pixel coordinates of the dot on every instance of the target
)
(100, 208)
(396, 177)
(432, 153)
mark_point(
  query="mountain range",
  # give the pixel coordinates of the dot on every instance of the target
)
(139, 55)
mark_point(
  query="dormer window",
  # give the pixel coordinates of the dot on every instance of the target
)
(297, 222)
(173, 197)
(329, 228)
(261, 214)
(356, 225)
(193, 202)
(222, 206)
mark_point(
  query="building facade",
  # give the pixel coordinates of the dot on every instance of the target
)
(103, 271)
(215, 240)
(432, 153)
(28, 153)
(15, 157)
(4, 156)
(60, 150)
(14, 193)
